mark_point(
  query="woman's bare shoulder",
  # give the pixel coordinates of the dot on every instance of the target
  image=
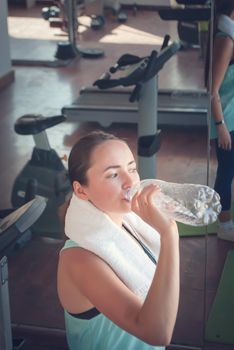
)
(77, 255)
(223, 42)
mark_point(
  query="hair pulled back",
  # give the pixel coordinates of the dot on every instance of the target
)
(79, 160)
(224, 7)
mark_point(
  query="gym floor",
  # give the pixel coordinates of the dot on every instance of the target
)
(35, 310)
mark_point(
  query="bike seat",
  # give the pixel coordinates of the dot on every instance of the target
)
(31, 124)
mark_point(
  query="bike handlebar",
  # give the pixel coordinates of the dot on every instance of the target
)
(141, 72)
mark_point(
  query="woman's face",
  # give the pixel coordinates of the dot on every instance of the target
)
(112, 173)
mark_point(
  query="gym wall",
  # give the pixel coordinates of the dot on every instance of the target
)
(6, 72)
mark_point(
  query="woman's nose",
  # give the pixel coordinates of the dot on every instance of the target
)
(128, 180)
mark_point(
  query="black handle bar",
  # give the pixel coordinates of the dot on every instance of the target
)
(143, 71)
(128, 59)
(187, 14)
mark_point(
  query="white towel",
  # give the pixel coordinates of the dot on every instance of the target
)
(226, 25)
(93, 230)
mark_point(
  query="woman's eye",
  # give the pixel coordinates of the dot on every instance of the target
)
(111, 176)
(133, 170)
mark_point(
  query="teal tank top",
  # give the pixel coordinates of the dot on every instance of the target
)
(226, 93)
(99, 333)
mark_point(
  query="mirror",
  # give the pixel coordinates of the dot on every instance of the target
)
(183, 154)
(220, 259)
(183, 158)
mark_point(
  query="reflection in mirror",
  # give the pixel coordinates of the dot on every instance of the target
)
(220, 261)
(222, 102)
(182, 157)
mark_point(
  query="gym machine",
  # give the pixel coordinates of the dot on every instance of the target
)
(174, 107)
(44, 173)
(57, 17)
(141, 103)
(71, 9)
(13, 227)
(189, 18)
(70, 49)
(65, 51)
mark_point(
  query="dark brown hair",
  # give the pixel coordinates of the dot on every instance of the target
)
(79, 160)
(224, 7)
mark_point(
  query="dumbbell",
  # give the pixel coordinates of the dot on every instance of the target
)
(48, 12)
(97, 22)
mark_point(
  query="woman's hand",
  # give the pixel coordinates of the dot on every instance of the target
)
(224, 138)
(144, 205)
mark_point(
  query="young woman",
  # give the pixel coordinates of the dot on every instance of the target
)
(222, 128)
(222, 103)
(118, 275)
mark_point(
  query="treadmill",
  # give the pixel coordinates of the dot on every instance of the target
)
(13, 229)
(175, 107)
(139, 79)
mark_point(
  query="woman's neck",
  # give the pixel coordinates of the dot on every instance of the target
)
(116, 218)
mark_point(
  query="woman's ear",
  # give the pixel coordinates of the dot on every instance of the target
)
(79, 190)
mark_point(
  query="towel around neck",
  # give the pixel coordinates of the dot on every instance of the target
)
(93, 230)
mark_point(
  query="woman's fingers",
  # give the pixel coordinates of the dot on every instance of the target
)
(146, 195)
(225, 145)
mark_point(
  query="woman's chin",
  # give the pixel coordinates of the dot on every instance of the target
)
(127, 205)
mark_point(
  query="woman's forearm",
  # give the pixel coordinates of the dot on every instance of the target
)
(217, 112)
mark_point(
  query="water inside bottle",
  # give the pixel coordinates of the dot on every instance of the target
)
(191, 204)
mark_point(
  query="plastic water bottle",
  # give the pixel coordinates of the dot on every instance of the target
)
(191, 204)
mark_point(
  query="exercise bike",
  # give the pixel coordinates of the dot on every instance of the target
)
(192, 21)
(45, 173)
(14, 225)
(108, 101)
